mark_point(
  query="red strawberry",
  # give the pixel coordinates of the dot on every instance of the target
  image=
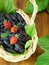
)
(13, 40)
(7, 25)
(14, 29)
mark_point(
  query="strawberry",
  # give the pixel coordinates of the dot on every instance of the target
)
(13, 40)
(14, 29)
(7, 25)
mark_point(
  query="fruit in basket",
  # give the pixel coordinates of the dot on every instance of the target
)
(13, 40)
(14, 29)
(13, 35)
(7, 25)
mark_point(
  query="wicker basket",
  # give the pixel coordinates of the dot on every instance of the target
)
(9, 57)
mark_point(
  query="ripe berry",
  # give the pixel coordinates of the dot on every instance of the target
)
(7, 25)
(13, 40)
(14, 29)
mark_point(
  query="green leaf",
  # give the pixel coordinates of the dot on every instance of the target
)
(3, 35)
(44, 43)
(29, 7)
(1, 5)
(30, 30)
(42, 4)
(43, 59)
(9, 6)
(48, 7)
(28, 43)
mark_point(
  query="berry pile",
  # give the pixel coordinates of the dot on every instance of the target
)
(12, 32)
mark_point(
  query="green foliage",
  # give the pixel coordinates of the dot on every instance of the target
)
(30, 30)
(28, 43)
(3, 35)
(42, 4)
(43, 59)
(44, 43)
(7, 6)
(29, 7)
(48, 7)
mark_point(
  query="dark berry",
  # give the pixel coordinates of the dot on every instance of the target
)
(19, 48)
(10, 50)
(1, 42)
(8, 17)
(23, 39)
(7, 44)
(23, 44)
(20, 25)
(19, 18)
(1, 18)
(14, 19)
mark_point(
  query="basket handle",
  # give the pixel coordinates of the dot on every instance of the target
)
(34, 12)
(27, 19)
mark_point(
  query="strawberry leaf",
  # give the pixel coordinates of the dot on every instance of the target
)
(3, 35)
(48, 6)
(9, 6)
(30, 30)
(44, 43)
(43, 59)
(29, 7)
(28, 43)
(42, 4)
(1, 5)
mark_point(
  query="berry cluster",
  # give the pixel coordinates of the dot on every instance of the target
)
(12, 32)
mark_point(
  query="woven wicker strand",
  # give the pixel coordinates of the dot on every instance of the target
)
(9, 57)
